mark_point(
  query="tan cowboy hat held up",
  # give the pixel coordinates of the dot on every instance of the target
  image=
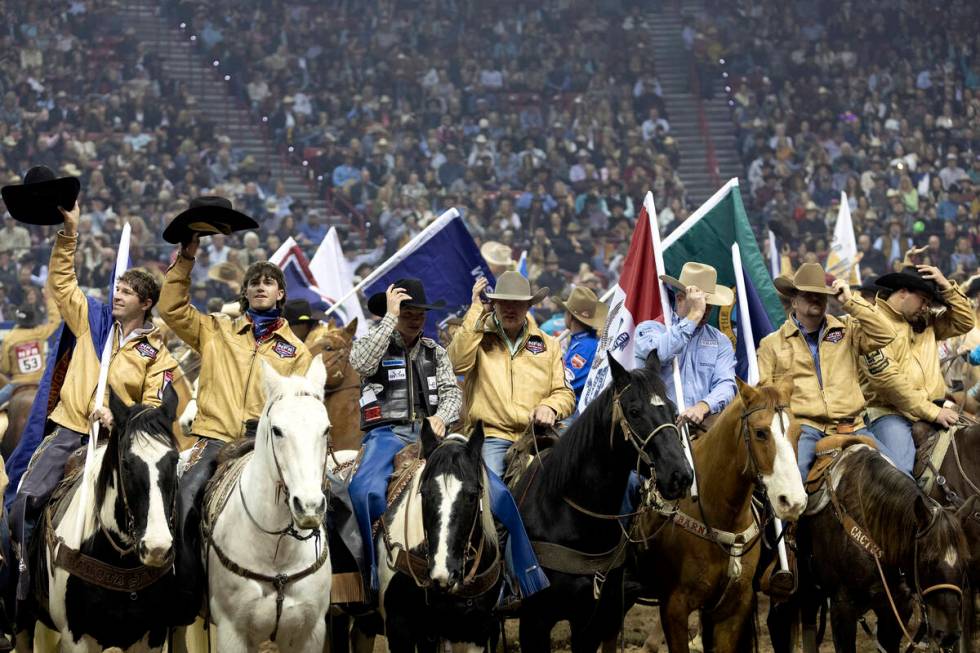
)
(497, 254)
(809, 278)
(514, 287)
(705, 278)
(585, 307)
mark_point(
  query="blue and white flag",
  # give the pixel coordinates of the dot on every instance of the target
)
(522, 264)
(445, 259)
(300, 283)
(333, 279)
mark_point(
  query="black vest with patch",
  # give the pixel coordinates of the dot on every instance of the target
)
(400, 390)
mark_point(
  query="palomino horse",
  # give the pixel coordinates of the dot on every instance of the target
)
(443, 566)
(265, 536)
(343, 386)
(882, 545)
(112, 584)
(702, 554)
(570, 498)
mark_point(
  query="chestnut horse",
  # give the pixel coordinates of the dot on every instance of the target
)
(702, 554)
(343, 390)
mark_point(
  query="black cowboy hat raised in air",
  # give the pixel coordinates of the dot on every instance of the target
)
(207, 215)
(378, 302)
(911, 279)
(36, 201)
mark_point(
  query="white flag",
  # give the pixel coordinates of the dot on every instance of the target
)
(333, 278)
(842, 261)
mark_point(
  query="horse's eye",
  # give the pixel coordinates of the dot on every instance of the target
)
(635, 412)
(326, 432)
(761, 434)
(276, 431)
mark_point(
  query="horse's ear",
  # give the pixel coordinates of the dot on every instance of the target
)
(653, 361)
(621, 378)
(317, 374)
(923, 510)
(119, 410)
(475, 443)
(271, 379)
(429, 439)
(965, 512)
(747, 392)
(332, 323)
(784, 385)
(169, 403)
(351, 328)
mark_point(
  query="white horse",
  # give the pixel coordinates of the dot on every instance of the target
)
(266, 550)
(110, 584)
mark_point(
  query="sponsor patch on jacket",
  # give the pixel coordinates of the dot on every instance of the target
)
(28, 357)
(577, 362)
(877, 361)
(284, 350)
(146, 350)
(535, 345)
(398, 374)
(393, 362)
(620, 342)
(835, 336)
(373, 413)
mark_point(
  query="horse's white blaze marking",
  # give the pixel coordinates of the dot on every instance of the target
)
(951, 557)
(449, 488)
(158, 538)
(784, 481)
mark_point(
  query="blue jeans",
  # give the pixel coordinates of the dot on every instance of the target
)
(6, 392)
(806, 448)
(494, 451)
(894, 436)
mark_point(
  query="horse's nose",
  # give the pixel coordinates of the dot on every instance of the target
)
(790, 507)
(946, 640)
(153, 555)
(309, 513)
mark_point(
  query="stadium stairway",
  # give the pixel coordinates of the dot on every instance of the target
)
(684, 108)
(183, 63)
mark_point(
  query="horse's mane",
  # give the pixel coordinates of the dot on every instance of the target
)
(590, 431)
(884, 498)
(143, 422)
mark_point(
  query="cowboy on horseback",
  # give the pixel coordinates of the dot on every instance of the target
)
(705, 354)
(585, 315)
(139, 369)
(230, 396)
(406, 379)
(903, 380)
(514, 379)
(820, 353)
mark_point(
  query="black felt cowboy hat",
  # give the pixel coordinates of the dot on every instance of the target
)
(911, 279)
(378, 302)
(36, 201)
(207, 215)
(299, 311)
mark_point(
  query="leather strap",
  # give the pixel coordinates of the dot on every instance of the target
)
(570, 561)
(108, 576)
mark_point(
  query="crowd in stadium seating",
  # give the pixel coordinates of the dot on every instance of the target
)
(861, 97)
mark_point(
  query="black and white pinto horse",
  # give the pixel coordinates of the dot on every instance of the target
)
(112, 583)
(570, 497)
(268, 562)
(440, 564)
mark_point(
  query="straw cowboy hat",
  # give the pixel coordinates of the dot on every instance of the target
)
(585, 307)
(704, 277)
(227, 273)
(36, 201)
(809, 278)
(496, 254)
(514, 287)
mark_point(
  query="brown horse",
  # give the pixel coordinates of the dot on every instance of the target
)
(18, 410)
(343, 389)
(703, 553)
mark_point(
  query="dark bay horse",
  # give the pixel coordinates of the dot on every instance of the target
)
(882, 545)
(571, 496)
(704, 556)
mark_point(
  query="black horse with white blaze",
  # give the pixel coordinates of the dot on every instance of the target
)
(571, 495)
(113, 584)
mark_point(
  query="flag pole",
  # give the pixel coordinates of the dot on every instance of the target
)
(745, 333)
(396, 258)
(122, 262)
(658, 257)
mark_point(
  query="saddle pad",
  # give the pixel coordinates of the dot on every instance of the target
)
(220, 487)
(841, 442)
(820, 474)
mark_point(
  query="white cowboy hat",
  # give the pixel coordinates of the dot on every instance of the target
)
(514, 287)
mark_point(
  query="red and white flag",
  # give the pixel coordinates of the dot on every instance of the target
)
(638, 297)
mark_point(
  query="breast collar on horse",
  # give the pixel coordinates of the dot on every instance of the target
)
(863, 539)
(95, 571)
(278, 581)
(416, 566)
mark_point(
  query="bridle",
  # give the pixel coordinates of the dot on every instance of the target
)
(473, 583)
(282, 489)
(331, 358)
(620, 419)
(781, 412)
